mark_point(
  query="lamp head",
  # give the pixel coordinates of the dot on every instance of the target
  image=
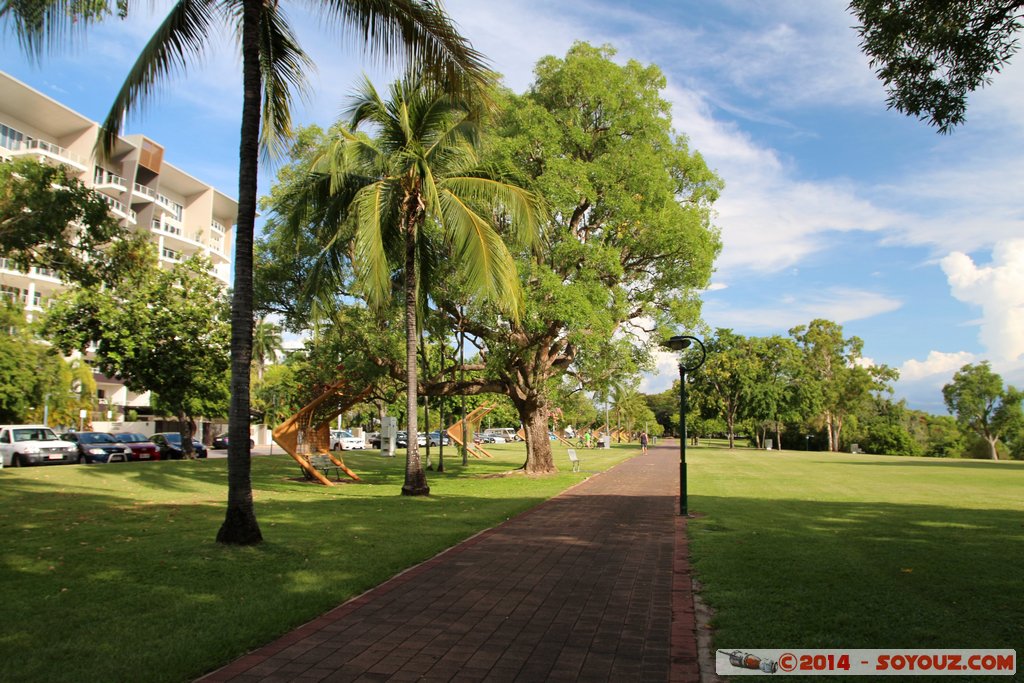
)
(678, 343)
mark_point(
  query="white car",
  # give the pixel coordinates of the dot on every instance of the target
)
(342, 440)
(23, 445)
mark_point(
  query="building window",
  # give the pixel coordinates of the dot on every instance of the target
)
(10, 293)
(170, 254)
(10, 138)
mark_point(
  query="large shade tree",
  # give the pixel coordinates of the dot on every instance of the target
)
(157, 330)
(631, 243)
(835, 379)
(398, 200)
(628, 246)
(983, 405)
(273, 65)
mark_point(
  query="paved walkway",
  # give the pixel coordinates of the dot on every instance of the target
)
(589, 586)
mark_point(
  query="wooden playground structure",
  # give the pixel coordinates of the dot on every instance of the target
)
(306, 435)
(473, 419)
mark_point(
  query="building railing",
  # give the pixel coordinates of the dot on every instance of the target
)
(104, 177)
(33, 144)
(119, 207)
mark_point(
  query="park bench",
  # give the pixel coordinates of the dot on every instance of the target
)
(574, 460)
(324, 464)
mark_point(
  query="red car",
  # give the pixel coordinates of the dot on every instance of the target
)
(142, 447)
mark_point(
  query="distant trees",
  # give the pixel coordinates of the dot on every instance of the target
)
(982, 405)
(815, 380)
(818, 381)
(834, 378)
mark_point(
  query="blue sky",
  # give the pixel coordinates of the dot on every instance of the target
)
(834, 207)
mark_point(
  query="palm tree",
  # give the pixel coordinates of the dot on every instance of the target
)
(266, 343)
(272, 65)
(419, 170)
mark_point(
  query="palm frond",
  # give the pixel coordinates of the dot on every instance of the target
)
(524, 209)
(488, 266)
(181, 37)
(376, 225)
(44, 25)
(422, 33)
(284, 66)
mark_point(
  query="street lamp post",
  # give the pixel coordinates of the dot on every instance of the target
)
(681, 343)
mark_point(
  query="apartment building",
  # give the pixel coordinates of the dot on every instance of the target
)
(183, 215)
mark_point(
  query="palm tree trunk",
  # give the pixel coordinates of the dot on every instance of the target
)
(415, 477)
(240, 526)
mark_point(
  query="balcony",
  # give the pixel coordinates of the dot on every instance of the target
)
(9, 264)
(119, 209)
(144, 193)
(168, 254)
(46, 272)
(51, 151)
(168, 226)
(103, 179)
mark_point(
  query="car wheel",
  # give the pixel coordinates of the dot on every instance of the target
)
(81, 459)
(16, 460)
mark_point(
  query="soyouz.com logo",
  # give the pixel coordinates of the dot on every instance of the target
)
(761, 662)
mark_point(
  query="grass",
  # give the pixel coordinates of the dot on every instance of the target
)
(111, 572)
(813, 550)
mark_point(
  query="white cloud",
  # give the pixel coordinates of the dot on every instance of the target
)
(937, 363)
(665, 371)
(839, 304)
(998, 289)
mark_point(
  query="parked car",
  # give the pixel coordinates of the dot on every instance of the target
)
(98, 447)
(142, 447)
(169, 444)
(504, 433)
(221, 442)
(342, 440)
(435, 438)
(23, 445)
(402, 439)
(373, 440)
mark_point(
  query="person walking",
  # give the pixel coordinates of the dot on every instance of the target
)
(643, 443)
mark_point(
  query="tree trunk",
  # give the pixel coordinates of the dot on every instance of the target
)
(185, 432)
(534, 416)
(240, 526)
(415, 478)
(993, 453)
(828, 430)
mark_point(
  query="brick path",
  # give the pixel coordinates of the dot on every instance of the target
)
(589, 586)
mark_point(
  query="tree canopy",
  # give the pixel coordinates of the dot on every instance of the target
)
(49, 219)
(931, 54)
(980, 403)
(163, 331)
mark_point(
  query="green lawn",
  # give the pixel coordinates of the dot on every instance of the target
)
(110, 572)
(816, 550)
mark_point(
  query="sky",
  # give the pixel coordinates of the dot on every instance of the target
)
(834, 207)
